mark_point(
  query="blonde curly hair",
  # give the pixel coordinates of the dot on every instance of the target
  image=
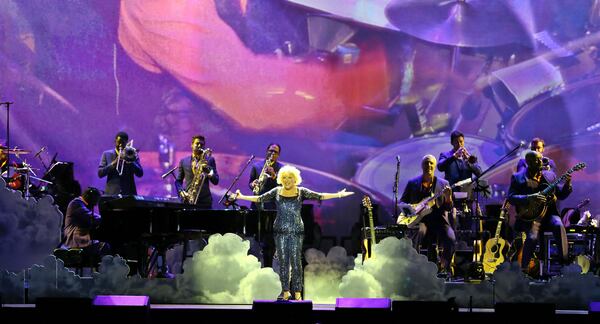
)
(291, 170)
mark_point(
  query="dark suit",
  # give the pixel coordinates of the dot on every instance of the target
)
(269, 184)
(79, 221)
(119, 184)
(520, 187)
(185, 173)
(438, 225)
(455, 169)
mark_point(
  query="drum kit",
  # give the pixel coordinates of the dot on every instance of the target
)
(19, 175)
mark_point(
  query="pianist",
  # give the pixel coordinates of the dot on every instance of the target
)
(80, 220)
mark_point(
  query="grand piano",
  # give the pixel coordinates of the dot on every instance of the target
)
(138, 222)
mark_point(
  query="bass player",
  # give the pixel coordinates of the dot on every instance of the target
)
(437, 226)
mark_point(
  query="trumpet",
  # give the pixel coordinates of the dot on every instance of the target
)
(465, 155)
(128, 154)
(546, 163)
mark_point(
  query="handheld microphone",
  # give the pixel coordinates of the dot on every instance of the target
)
(169, 172)
(39, 152)
(398, 158)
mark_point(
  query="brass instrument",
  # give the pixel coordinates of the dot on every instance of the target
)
(546, 163)
(465, 155)
(191, 194)
(128, 154)
(263, 176)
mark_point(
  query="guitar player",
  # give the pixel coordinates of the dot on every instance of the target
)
(525, 187)
(437, 226)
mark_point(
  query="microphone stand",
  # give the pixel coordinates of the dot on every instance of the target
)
(478, 265)
(234, 182)
(396, 180)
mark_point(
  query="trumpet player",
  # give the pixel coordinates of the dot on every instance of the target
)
(458, 164)
(119, 165)
(538, 145)
(263, 175)
(200, 165)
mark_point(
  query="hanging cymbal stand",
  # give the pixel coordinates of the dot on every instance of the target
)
(7, 104)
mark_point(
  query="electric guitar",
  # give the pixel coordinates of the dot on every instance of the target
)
(411, 214)
(368, 243)
(495, 247)
(536, 210)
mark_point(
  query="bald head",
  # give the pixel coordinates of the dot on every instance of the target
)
(428, 164)
(533, 160)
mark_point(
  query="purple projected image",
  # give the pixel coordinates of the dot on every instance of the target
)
(383, 98)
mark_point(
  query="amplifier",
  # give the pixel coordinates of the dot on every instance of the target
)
(382, 232)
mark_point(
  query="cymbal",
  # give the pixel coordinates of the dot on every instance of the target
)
(466, 23)
(15, 151)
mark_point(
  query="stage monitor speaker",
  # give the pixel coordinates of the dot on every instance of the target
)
(364, 303)
(540, 311)
(594, 309)
(428, 309)
(363, 309)
(269, 311)
(122, 308)
(55, 308)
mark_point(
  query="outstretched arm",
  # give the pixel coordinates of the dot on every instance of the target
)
(340, 194)
(239, 195)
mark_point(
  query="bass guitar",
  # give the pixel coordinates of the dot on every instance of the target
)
(496, 248)
(411, 214)
(536, 210)
(368, 243)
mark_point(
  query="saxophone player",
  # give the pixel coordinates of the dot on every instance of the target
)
(200, 165)
(263, 175)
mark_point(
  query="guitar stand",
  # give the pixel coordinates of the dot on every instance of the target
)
(476, 270)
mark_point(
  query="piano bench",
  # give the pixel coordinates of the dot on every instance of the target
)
(74, 258)
(194, 234)
(191, 235)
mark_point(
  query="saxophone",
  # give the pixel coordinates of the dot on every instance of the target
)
(191, 194)
(263, 176)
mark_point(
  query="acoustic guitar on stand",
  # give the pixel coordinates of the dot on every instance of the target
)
(496, 247)
(367, 244)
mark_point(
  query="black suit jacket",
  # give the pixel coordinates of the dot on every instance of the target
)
(185, 173)
(269, 184)
(412, 194)
(521, 186)
(455, 169)
(119, 184)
